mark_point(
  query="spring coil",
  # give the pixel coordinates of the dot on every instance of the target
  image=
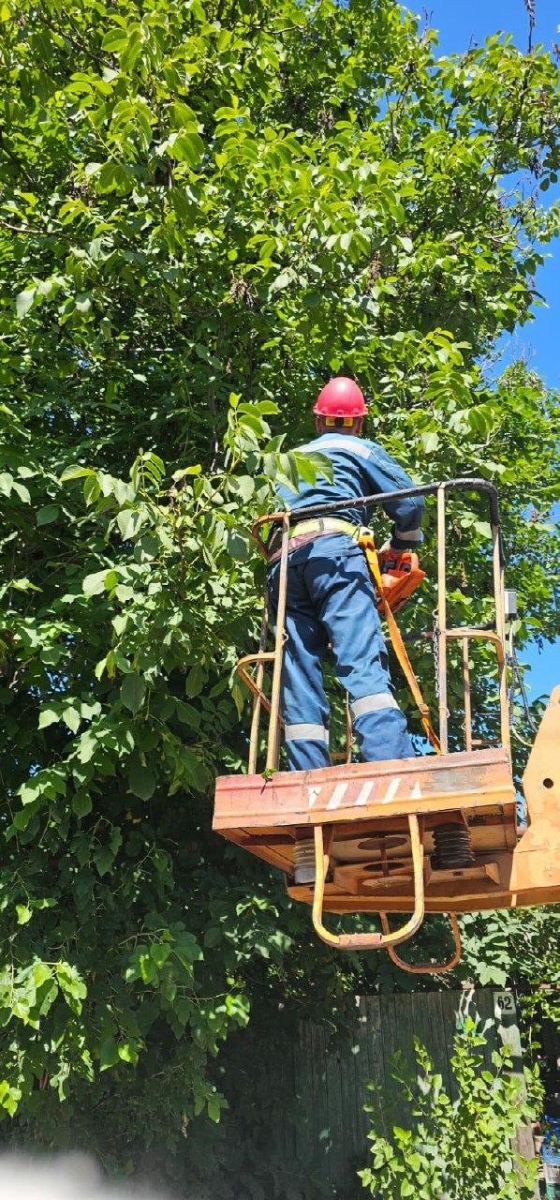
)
(304, 862)
(453, 847)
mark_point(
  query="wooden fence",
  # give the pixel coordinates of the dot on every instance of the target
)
(324, 1133)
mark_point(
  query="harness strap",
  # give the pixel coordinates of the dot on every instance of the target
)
(368, 546)
(324, 525)
(304, 532)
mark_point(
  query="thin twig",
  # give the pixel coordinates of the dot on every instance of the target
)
(23, 229)
(530, 6)
(82, 47)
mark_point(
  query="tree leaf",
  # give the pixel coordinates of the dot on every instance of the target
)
(75, 472)
(25, 301)
(48, 716)
(103, 858)
(133, 690)
(283, 280)
(186, 147)
(21, 491)
(127, 1052)
(71, 718)
(129, 521)
(82, 804)
(47, 514)
(108, 1054)
(141, 781)
(194, 680)
(94, 585)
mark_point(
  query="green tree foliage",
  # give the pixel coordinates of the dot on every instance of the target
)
(509, 947)
(459, 1147)
(205, 209)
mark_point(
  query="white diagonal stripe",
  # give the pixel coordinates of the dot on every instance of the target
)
(338, 795)
(392, 789)
(365, 792)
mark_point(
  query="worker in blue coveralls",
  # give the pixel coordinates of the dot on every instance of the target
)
(331, 598)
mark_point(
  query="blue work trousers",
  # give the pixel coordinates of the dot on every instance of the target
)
(331, 599)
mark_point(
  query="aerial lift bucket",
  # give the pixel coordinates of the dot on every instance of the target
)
(433, 834)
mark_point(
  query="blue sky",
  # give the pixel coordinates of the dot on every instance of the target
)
(461, 23)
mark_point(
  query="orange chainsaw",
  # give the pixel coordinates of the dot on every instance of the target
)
(398, 570)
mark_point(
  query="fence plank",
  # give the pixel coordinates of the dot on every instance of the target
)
(303, 1088)
(333, 1078)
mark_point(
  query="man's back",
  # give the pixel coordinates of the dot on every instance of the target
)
(360, 468)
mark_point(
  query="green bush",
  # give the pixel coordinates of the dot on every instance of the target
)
(458, 1147)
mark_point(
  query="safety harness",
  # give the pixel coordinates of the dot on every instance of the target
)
(367, 543)
(305, 532)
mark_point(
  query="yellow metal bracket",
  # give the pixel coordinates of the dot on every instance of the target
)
(427, 968)
(369, 941)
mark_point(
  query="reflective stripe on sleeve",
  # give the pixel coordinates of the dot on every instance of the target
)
(306, 733)
(372, 703)
(408, 535)
(352, 445)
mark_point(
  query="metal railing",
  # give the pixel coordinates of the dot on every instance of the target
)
(494, 635)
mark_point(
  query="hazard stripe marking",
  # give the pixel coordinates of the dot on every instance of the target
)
(338, 795)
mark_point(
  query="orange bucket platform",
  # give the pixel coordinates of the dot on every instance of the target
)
(382, 832)
(433, 834)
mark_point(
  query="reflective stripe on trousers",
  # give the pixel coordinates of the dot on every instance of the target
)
(331, 599)
(372, 703)
(306, 733)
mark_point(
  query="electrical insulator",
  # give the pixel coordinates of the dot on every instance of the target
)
(510, 604)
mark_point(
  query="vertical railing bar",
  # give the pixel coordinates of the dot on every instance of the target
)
(467, 695)
(442, 619)
(349, 730)
(274, 728)
(257, 703)
(499, 601)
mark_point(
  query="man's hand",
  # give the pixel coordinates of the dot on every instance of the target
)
(389, 558)
(401, 574)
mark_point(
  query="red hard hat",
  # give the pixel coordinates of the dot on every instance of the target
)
(341, 397)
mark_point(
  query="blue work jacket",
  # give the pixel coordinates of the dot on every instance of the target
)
(360, 468)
